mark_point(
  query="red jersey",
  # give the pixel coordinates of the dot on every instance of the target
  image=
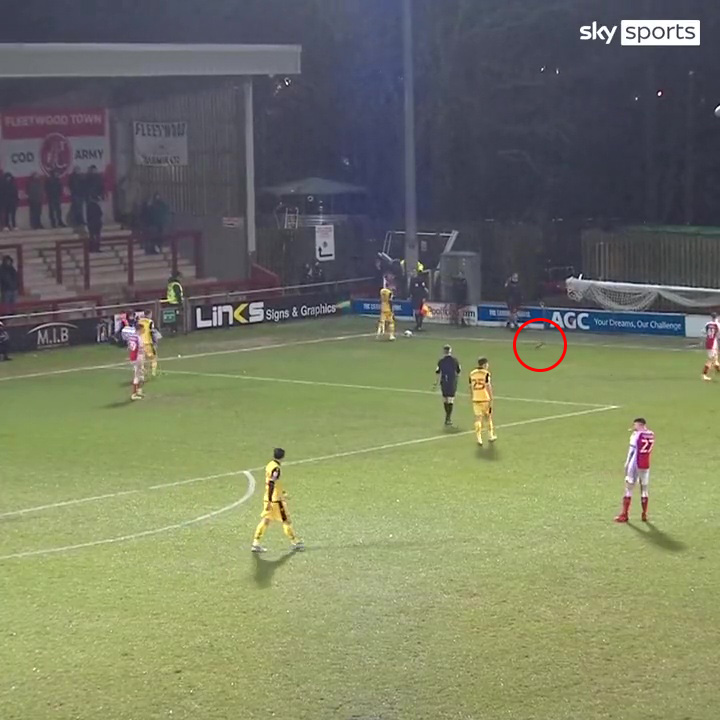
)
(641, 447)
(712, 330)
(133, 342)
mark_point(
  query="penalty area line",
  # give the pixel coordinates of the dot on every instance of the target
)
(380, 388)
(306, 461)
(144, 533)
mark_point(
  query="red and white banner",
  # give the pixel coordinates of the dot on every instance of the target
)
(39, 141)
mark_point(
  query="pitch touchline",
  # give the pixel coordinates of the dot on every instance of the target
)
(144, 533)
(321, 458)
(191, 356)
(338, 338)
(350, 386)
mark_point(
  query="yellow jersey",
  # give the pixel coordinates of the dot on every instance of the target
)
(145, 328)
(480, 386)
(273, 489)
(386, 297)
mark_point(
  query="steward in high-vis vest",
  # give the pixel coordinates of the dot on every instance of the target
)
(174, 299)
(174, 291)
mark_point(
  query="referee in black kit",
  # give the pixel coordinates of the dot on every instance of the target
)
(447, 372)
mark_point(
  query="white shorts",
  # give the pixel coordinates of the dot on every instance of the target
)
(634, 475)
(713, 354)
(138, 375)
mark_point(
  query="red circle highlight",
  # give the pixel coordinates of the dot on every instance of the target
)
(530, 322)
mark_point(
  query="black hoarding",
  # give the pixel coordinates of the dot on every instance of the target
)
(58, 334)
(271, 310)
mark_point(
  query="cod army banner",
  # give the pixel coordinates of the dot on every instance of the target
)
(40, 141)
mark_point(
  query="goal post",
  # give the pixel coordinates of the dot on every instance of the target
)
(621, 296)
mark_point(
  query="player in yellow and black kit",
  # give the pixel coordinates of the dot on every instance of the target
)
(149, 336)
(387, 318)
(482, 400)
(274, 507)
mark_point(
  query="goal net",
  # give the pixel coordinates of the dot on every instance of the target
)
(636, 296)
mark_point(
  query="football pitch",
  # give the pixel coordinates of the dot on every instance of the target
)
(441, 580)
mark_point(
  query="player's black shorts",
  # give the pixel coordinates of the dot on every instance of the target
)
(448, 389)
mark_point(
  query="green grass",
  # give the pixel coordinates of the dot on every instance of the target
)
(441, 581)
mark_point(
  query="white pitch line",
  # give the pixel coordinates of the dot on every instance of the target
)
(92, 498)
(145, 533)
(350, 386)
(320, 458)
(338, 338)
(191, 356)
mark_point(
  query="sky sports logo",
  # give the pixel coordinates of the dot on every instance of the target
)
(645, 33)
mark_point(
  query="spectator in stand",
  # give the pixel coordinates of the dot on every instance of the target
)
(513, 297)
(4, 342)
(94, 223)
(306, 277)
(54, 192)
(76, 186)
(144, 226)
(9, 282)
(318, 276)
(94, 185)
(36, 198)
(158, 216)
(10, 197)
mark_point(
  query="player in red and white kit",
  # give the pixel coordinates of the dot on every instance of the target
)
(131, 336)
(712, 335)
(637, 468)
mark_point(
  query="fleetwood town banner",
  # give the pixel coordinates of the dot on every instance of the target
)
(160, 144)
(39, 141)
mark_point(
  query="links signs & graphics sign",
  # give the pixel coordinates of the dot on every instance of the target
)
(273, 310)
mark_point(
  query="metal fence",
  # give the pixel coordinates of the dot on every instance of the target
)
(661, 257)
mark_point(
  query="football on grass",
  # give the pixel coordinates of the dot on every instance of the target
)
(408, 333)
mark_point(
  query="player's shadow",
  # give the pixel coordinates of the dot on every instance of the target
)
(657, 537)
(452, 429)
(487, 452)
(118, 404)
(263, 570)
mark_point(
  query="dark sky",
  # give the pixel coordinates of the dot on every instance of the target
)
(516, 116)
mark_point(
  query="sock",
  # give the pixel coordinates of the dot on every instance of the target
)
(153, 365)
(491, 425)
(626, 505)
(478, 429)
(289, 532)
(449, 410)
(381, 328)
(706, 368)
(420, 320)
(259, 532)
(135, 388)
(447, 407)
(644, 502)
(391, 325)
